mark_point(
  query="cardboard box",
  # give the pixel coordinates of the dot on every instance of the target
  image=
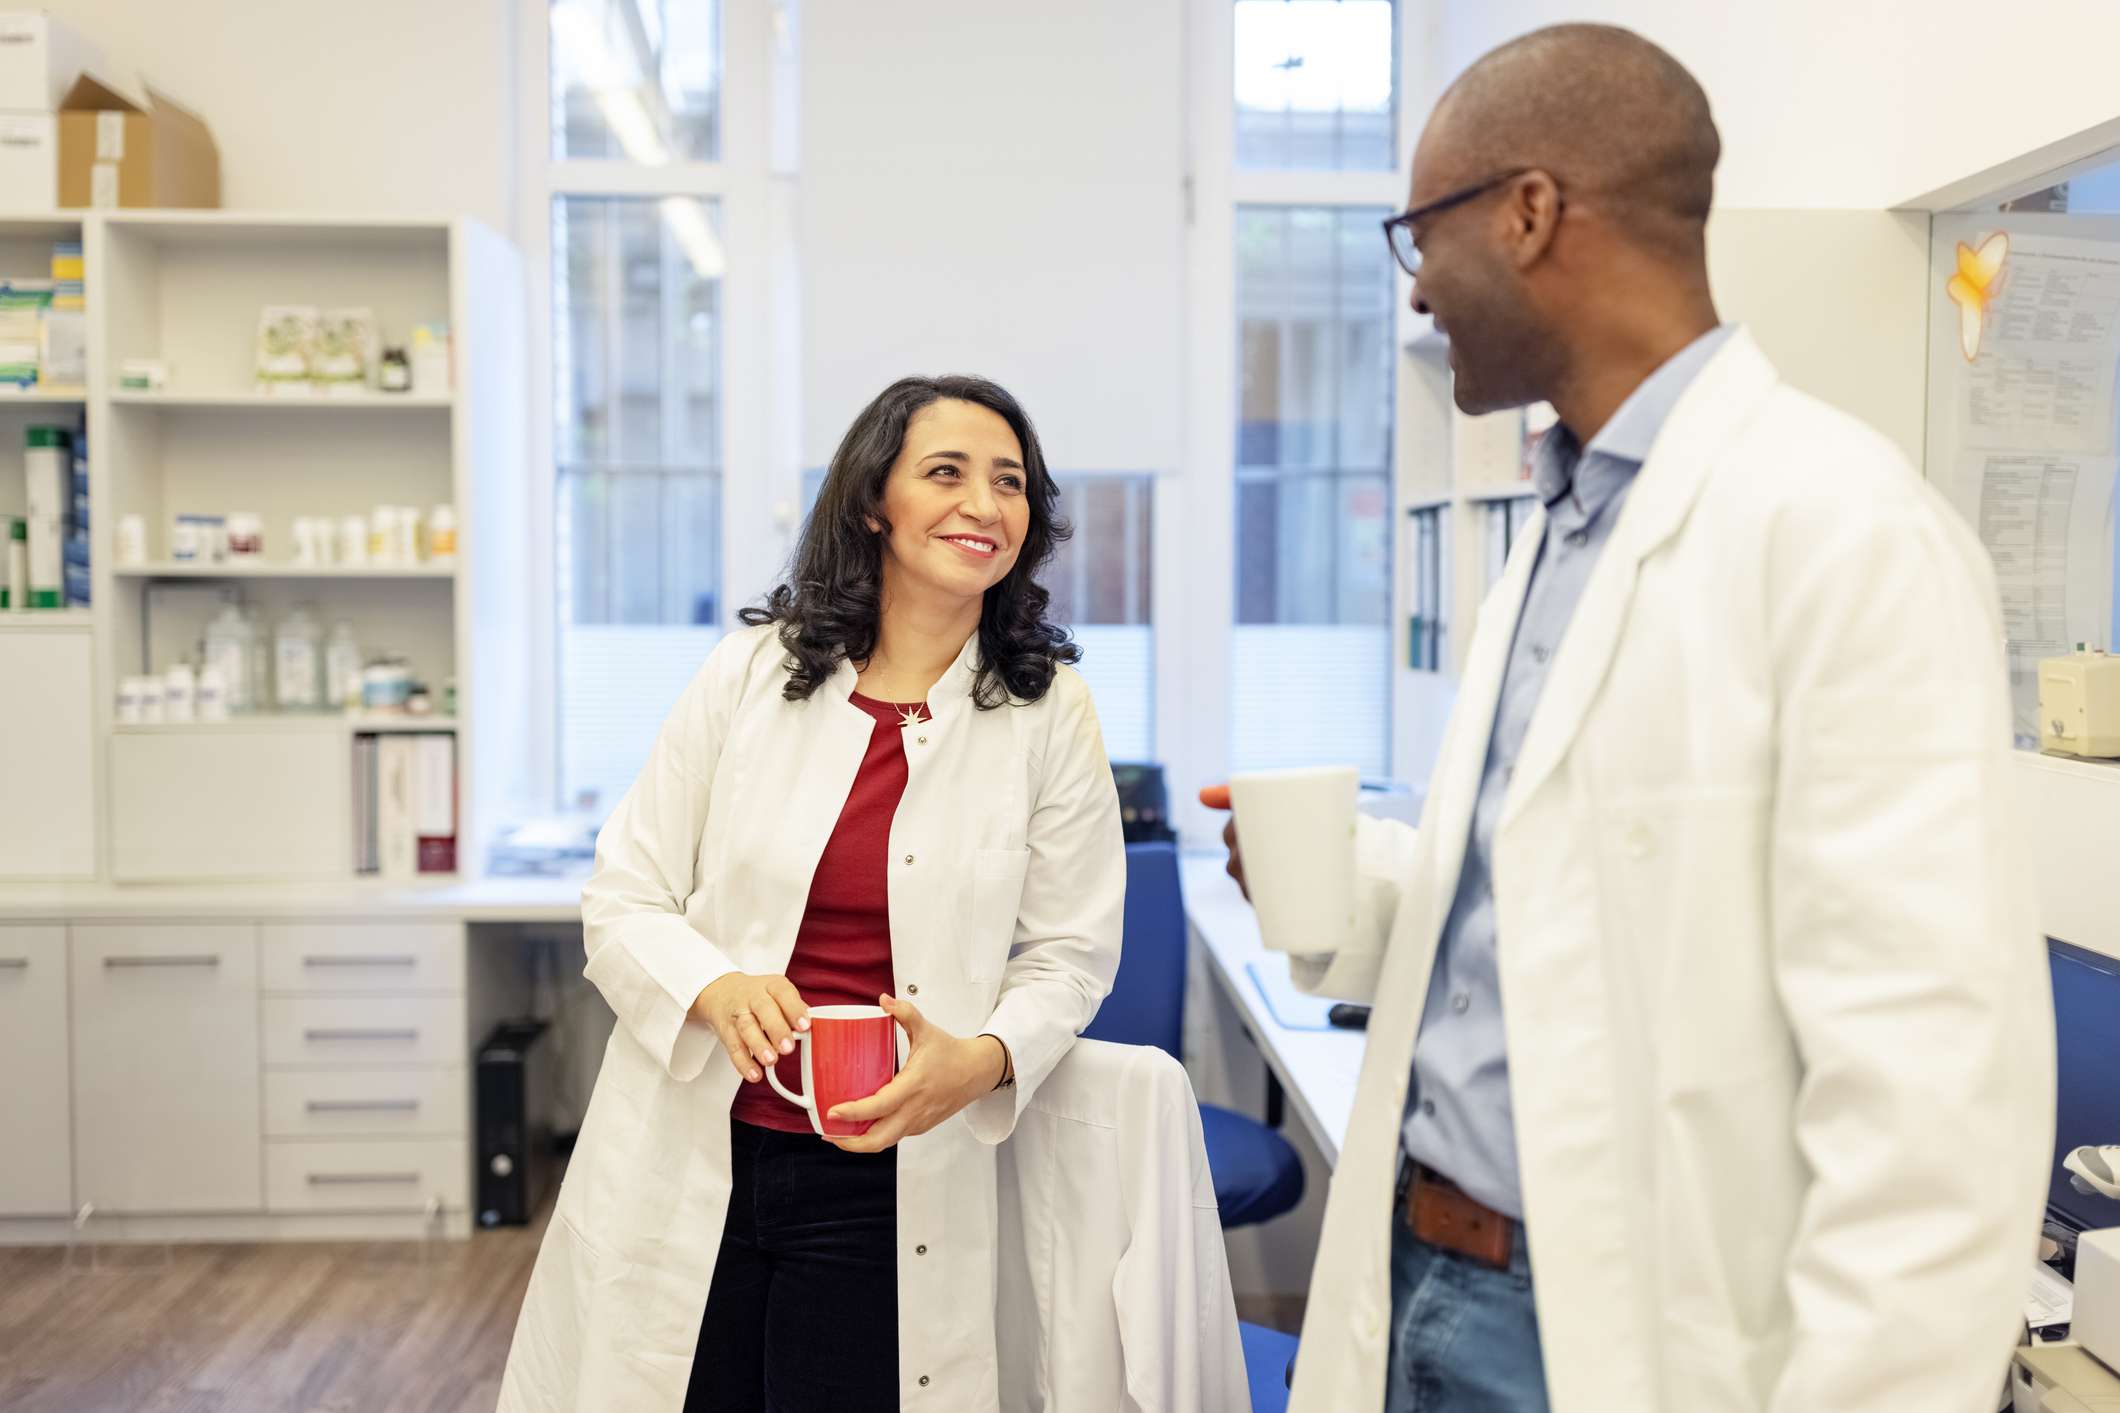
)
(40, 58)
(115, 152)
(29, 163)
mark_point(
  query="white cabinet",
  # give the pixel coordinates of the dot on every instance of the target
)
(202, 805)
(36, 1156)
(166, 1072)
(47, 762)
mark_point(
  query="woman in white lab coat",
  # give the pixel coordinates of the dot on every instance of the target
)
(889, 788)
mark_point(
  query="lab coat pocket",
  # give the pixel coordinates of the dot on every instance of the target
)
(997, 894)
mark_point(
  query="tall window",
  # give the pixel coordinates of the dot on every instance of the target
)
(1312, 650)
(1315, 84)
(637, 272)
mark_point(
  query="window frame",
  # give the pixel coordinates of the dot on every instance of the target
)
(1195, 511)
(752, 183)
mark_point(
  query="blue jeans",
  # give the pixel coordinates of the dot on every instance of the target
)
(1464, 1338)
(803, 1312)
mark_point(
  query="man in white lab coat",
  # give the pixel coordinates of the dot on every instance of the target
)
(1719, 831)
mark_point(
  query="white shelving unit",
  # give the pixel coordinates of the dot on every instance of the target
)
(273, 569)
(288, 402)
(50, 755)
(186, 287)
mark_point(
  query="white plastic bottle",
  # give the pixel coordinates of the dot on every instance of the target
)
(180, 693)
(229, 639)
(212, 694)
(298, 662)
(342, 669)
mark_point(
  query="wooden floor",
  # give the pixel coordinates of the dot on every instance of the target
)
(280, 1328)
(275, 1328)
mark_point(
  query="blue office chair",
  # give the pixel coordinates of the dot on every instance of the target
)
(1268, 1355)
(1257, 1174)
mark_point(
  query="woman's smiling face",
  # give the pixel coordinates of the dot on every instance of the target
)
(956, 501)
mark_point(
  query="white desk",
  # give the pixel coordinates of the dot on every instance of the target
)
(1317, 1068)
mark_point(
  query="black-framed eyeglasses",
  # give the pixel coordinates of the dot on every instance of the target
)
(1399, 232)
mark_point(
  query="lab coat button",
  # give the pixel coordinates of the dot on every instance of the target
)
(923, 740)
(912, 990)
(1640, 842)
(923, 1380)
(920, 1251)
(909, 858)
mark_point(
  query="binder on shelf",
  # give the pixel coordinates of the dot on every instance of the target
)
(404, 792)
(434, 797)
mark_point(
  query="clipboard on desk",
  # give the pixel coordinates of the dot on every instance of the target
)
(1290, 1008)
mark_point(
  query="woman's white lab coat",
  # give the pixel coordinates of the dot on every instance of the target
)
(1779, 1041)
(1007, 883)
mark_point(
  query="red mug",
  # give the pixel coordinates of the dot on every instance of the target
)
(848, 1053)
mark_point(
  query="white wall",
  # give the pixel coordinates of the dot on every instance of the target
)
(997, 189)
(381, 107)
(1854, 103)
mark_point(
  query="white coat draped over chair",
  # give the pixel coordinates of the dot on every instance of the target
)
(1114, 1287)
(1779, 1041)
(1007, 880)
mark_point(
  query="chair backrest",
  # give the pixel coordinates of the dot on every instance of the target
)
(1147, 1004)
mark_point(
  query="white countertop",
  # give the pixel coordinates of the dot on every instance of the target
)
(504, 899)
(1318, 1068)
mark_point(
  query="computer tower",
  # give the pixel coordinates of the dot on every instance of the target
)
(514, 1093)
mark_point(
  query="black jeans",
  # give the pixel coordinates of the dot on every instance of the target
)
(803, 1313)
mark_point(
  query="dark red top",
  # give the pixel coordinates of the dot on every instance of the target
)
(843, 948)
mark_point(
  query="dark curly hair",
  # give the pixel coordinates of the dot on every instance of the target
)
(829, 609)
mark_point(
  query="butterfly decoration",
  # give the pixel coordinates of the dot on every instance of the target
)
(1975, 286)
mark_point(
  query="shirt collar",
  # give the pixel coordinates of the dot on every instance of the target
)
(1631, 431)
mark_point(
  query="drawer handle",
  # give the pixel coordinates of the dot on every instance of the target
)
(348, 1179)
(360, 961)
(14, 963)
(208, 959)
(362, 1106)
(360, 1034)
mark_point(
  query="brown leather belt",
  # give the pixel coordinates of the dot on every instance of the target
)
(1441, 1214)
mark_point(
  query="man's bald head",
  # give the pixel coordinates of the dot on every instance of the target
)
(1613, 118)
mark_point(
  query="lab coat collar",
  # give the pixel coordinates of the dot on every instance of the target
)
(951, 691)
(1717, 406)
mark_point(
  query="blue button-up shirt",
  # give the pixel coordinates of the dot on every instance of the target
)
(1458, 1118)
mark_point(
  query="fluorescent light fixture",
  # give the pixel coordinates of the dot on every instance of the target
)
(686, 219)
(578, 44)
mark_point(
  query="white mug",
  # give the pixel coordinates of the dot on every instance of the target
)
(1295, 830)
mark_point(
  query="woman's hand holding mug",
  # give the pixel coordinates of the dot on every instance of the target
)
(756, 1018)
(941, 1075)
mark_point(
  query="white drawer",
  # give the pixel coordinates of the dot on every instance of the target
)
(367, 1175)
(363, 957)
(385, 1103)
(346, 1032)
